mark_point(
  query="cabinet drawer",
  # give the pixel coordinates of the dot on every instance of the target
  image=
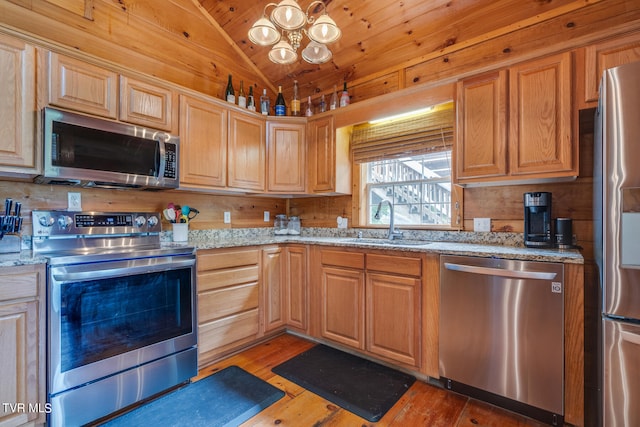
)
(19, 285)
(227, 259)
(394, 264)
(216, 279)
(220, 303)
(342, 259)
(228, 330)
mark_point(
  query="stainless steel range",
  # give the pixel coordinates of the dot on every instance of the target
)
(121, 311)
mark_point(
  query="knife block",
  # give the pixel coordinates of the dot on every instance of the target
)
(10, 243)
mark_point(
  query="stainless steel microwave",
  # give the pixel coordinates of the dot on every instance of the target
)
(86, 151)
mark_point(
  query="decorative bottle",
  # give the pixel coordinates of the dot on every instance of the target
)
(242, 99)
(295, 101)
(309, 111)
(333, 103)
(344, 98)
(251, 102)
(265, 103)
(229, 94)
(323, 104)
(281, 107)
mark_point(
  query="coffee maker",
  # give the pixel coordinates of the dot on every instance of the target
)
(537, 220)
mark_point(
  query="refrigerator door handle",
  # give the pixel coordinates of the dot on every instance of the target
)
(488, 271)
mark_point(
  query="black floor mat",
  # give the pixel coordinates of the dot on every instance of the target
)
(360, 386)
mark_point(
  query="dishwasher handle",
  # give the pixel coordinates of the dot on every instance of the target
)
(489, 271)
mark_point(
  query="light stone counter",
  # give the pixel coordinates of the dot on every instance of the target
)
(498, 245)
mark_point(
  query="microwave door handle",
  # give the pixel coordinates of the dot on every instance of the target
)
(119, 272)
(161, 160)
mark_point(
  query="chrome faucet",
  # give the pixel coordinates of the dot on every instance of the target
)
(393, 232)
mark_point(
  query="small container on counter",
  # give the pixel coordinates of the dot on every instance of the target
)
(294, 225)
(280, 225)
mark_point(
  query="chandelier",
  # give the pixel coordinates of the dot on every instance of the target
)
(288, 19)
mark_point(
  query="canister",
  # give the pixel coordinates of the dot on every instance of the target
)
(280, 225)
(294, 225)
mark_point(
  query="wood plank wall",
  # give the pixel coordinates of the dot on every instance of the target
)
(245, 211)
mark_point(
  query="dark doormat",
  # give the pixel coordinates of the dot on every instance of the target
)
(360, 386)
(226, 398)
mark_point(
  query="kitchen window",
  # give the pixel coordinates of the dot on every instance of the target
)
(407, 162)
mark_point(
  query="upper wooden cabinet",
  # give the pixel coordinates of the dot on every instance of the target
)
(329, 162)
(246, 153)
(286, 164)
(540, 111)
(602, 56)
(220, 148)
(148, 105)
(83, 87)
(538, 118)
(481, 126)
(203, 143)
(18, 147)
(87, 88)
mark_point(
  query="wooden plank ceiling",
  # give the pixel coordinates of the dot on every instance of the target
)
(382, 36)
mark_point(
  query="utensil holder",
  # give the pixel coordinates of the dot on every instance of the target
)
(180, 232)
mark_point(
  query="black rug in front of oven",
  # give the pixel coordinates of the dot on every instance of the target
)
(227, 398)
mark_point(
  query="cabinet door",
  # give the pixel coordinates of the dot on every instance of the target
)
(540, 137)
(393, 317)
(273, 295)
(481, 137)
(17, 106)
(343, 306)
(296, 287)
(149, 105)
(22, 344)
(322, 156)
(203, 143)
(602, 56)
(246, 155)
(82, 87)
(287, 154)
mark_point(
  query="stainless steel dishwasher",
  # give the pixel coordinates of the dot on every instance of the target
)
(502, 333)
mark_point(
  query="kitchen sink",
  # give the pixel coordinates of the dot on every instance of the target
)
(387, 242)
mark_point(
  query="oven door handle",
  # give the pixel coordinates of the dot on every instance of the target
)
(82, 276)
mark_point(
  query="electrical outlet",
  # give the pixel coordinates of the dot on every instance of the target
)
(227, 217)
(74, 202)
(482, 224)
(266, 216)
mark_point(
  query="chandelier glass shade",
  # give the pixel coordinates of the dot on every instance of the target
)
(285, 28)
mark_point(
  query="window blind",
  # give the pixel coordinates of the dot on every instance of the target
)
(432, 131)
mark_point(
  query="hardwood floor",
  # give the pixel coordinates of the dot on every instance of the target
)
(421, 405)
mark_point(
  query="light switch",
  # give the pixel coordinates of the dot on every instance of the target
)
(482, 224)
(227, 217)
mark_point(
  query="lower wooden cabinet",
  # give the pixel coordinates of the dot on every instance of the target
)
(372, 302)
(273, 293)
(228, 301)
(296, 280)
(22, 344)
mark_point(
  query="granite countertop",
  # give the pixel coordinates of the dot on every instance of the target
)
(449, 248)
(498, 245)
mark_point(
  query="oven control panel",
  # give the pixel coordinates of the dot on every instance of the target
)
(59, 223)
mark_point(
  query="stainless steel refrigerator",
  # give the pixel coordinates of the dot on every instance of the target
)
(617, 242)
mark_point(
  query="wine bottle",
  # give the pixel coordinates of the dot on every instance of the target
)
(229, 94)
(333, 104)
(323, 105)
(281, 107)
(295, 101)
(309, 111)
(344, 97)
(251, 102)
(242, 99)
(265, 103)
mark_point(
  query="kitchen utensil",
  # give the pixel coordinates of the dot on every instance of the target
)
(169, 214)
(192, 213)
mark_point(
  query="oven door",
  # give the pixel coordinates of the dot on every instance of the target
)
(107, 317)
